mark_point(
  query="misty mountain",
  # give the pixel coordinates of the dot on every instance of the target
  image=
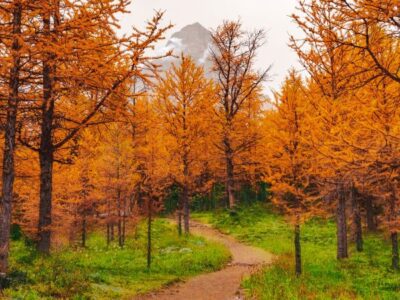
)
(193, 40)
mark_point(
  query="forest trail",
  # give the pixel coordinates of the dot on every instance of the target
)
(220, 285)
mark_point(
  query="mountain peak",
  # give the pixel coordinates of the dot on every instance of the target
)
(192, 40)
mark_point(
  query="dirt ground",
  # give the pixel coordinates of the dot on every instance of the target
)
(220, 285)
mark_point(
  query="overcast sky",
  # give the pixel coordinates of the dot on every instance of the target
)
(271, 15)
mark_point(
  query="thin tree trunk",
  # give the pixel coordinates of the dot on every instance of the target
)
(357, 225)
(370, 215)
(149, 220)
(230, 181)
(124, 212)
(297, 247)
(108, 234)
(395, 251)
(393, 217)
(119, 224)
(341, 224)
(112, 231)
(179, 222)
(9, 145)
(84, 231)
(186, 208)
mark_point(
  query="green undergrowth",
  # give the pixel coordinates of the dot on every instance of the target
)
(365, 275)
(101, 272)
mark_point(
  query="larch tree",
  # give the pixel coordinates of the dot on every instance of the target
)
(153, 170)
(116, 166)
(371, 27)
(289, 156)
(11, 55)
(378, 143)
(184, 98)
(85, 66)
(233, 55)
(329, 64)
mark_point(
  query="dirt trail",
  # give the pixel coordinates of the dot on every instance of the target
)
(220, 285)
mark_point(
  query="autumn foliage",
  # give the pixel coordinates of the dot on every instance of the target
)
(95, 133)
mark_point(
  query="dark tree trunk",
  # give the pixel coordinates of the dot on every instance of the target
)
(45, 205)
(46, 151)
(9, 145)
(119, 224)
(186, 207)
(124, 213)
(395, 251)
(297, 247)
(179, 222)
(341, 224)
(108, 234)
(357, 225)
(393, 217)
(119, 228)
(112, 231)
(84, 231)
(230, 180)
(370, 214)
(149, 220)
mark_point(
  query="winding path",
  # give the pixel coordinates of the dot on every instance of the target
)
(220, 285)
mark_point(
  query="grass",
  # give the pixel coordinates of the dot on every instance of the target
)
(365, 275)
(98, 272)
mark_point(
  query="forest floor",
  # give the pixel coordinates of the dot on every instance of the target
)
(108, 272)
(223, 284)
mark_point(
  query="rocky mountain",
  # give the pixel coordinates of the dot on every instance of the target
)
(193, 40)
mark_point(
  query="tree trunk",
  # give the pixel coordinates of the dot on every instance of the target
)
(186, 210)
(46, 151)
(297, 247)
(230, 180)
(112, 231)
(395, 251)
(84, 231)
(124, 213)
(370, 214)
(179, 222)
(393, 235)
(341, 224)
(108, 234)
(357, 225)
(9, 145)
(45, 205)
(149, 220)
(119, 224)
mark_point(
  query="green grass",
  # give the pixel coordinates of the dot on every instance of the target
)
(98, 272)
(365, 275)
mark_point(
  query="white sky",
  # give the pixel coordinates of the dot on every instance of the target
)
(271, 15)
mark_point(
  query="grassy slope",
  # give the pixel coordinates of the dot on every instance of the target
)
(101, 273)
(364, 276)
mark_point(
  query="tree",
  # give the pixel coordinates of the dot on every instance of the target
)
(289, 156)
(85, 66)
(233, 55)
(377, 143)
(11, 19)
(151, 155)
(372, 28)
(330, 66)
(116, 167)
(184, 101)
